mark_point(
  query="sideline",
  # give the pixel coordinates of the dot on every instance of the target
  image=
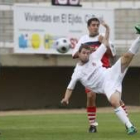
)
(63, 111)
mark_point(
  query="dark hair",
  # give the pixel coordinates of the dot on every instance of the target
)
(92, 19)
(84, 46)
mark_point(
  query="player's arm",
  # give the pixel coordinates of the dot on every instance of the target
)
(107, 34)
(69, 89)
(67, 96)
(105, 42)
(111, 51)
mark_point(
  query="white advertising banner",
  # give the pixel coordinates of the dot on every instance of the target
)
(36, 28)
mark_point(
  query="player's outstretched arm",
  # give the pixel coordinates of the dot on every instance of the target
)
(104, 47)
(67, 96)
(107, 34)
(110, 47)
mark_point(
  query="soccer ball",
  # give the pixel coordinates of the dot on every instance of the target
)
(62, 45)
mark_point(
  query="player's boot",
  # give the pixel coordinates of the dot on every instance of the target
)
(92, 129)
(132, 130)
(137, 27)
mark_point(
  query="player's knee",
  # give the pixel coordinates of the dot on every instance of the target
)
(115, 103)
(91, 95)
(114, 100)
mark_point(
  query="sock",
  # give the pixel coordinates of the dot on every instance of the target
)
(123, 117)
(124, 108)
(135, 46)
(91, 113)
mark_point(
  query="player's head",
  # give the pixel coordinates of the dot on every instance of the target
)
(84, 53)
(93, 26)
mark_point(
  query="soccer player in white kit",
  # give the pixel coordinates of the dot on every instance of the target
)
(91, 74)
(92, 39)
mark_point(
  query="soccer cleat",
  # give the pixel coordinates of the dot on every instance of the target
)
(132, 130)
(137, 27)
(92, 129)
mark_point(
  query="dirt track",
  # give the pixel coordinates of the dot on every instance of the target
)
(64, 111)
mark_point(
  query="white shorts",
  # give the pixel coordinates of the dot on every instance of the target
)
(113, 79)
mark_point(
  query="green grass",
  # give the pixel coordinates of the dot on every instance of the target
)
(64, 127)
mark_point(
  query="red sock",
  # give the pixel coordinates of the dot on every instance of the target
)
(124, 108)
(91, 113)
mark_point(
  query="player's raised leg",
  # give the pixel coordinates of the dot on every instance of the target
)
(115, 97)
(127, 57)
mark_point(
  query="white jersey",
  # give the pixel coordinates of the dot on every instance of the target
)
(86, 39)
(97, 78)
(91, 74)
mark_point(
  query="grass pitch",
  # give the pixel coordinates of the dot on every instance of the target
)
(65, 127)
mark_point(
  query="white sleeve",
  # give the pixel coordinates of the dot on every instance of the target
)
(73, 81)
(99, 52)
(76, 49)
